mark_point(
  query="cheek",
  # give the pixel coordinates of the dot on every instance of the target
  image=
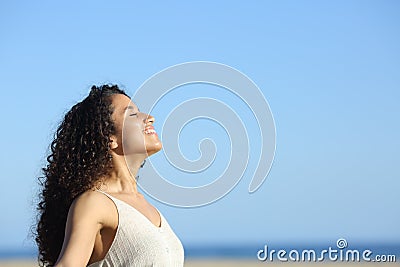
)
(133, 138)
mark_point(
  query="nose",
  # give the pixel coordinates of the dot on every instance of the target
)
(149, 119)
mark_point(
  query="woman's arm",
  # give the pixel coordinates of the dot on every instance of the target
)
(83, 223)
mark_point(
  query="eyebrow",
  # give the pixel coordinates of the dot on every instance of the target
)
(130, 107)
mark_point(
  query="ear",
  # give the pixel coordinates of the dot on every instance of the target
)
(113, 143)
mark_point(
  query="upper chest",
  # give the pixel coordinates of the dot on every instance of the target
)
(140, 206)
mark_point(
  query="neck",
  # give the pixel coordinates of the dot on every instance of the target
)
(122, 178)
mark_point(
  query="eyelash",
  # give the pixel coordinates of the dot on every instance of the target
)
(133, 114)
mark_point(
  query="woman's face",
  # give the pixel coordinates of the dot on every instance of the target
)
(135, 133)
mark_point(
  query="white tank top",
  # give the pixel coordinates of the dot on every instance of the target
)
(138, 242)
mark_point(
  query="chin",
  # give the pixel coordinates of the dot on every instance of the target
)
(154, 149)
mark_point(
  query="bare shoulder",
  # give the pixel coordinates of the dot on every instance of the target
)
(91, 198)
(94, 205)
(89, 213)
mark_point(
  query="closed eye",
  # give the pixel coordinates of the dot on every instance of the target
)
(133, 114)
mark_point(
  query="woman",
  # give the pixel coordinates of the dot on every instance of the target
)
(91, 213)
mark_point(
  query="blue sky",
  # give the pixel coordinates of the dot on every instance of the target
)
(329, 71)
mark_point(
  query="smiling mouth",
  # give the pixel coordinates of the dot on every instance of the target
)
(149, 130)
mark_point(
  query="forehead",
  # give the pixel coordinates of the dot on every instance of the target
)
(121, 103)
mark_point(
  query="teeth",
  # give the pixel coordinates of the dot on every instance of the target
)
(149, 131)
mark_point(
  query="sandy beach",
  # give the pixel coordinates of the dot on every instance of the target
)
(221, 263)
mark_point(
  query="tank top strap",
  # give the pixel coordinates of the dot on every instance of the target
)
(113, 199)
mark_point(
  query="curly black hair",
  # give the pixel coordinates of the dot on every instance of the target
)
(79, 159)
